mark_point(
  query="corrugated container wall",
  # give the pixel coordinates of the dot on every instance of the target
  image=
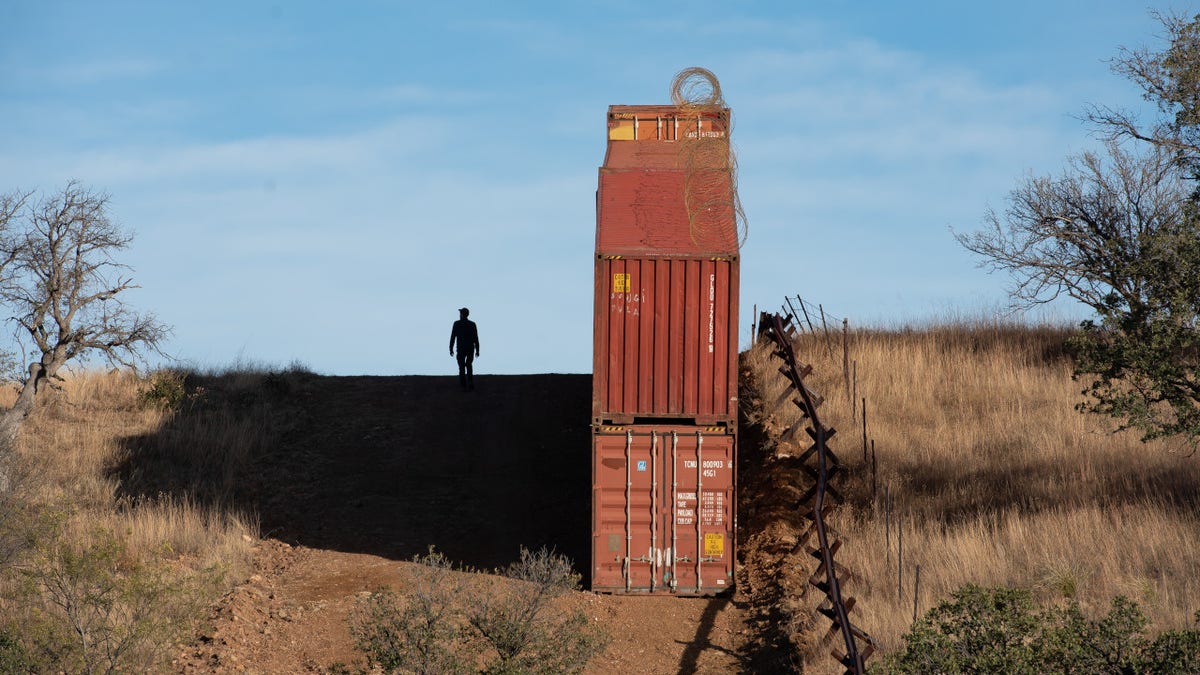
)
(666, 341)
(664, 384)
(663, 509)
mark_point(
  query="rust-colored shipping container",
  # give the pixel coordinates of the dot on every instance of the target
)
(663, 509)
(666, 191)
(665, 340)
(664, 383)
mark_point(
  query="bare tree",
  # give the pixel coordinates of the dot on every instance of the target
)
(1120, 232)
(60, 281)
(1091, 234)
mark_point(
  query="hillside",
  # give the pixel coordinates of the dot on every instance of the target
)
(288, 496)
(979, 469)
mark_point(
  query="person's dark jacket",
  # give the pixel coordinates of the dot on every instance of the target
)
(467, 336)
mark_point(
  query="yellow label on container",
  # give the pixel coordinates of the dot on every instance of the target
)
(714, 544)
(621, 131)
(620, 282)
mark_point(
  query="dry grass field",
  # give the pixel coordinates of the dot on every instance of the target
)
(993, 477)
(122, 578)
(75, 440)
(159, 510)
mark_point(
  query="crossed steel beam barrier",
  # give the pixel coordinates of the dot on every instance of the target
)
(822, 498)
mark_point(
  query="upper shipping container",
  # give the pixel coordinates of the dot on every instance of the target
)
(667, 185)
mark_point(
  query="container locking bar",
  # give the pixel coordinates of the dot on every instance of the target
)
(699, 497)
(628, 494)
(653, 509)
(674, 507)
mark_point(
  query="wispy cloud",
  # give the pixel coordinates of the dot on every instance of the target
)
(260, 159)
(91, 72)
(337, 227)
(862, 103)
(413, 92)
(867, 154)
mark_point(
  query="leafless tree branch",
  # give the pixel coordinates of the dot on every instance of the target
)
(1083, 233)
(1170, 80)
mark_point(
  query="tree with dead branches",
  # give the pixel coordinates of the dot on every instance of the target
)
(61, 285)
(1097, 233)
(1119, 231)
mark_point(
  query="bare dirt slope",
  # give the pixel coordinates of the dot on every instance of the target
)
(374, 470)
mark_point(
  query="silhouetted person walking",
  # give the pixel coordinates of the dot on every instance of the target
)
(467, 337)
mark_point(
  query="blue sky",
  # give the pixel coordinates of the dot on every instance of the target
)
(329, 182)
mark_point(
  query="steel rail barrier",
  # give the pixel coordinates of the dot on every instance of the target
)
(822, 498)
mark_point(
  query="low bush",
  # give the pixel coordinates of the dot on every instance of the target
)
(425, 633)
(999, 630)
(89, 606)
(448, 623)
(524, 626)
(13, 658)
(162, 390)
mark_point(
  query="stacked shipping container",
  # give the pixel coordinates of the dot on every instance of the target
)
(664, 388)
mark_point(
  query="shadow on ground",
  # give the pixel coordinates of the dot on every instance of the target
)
(392, 465)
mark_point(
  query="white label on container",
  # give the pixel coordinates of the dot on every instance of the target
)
(712, 294)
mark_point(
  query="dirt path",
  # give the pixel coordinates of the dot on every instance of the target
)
(290, 617)
(377, 469)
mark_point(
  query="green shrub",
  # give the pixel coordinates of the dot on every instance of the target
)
(425, 633)
(977, 630)
(91, 607)
(163, 390)
(999, 630)
(13, 658)
(1175, 651)
(512, 626)
(521, 622)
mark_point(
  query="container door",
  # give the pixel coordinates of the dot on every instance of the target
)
(663, 512)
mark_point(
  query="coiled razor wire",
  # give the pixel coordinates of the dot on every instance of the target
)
(696, 86)
(708, 161)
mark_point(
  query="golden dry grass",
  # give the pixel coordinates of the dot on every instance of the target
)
(77, 437)
(994, 478)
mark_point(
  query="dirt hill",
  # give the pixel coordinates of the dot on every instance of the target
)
(374, 470)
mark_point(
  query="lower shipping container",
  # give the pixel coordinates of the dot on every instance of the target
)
(663, 516)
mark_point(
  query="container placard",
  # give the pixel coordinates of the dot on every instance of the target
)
(620, 282)
(714, 544)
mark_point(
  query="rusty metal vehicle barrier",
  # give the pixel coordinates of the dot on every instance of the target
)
(821, 499)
